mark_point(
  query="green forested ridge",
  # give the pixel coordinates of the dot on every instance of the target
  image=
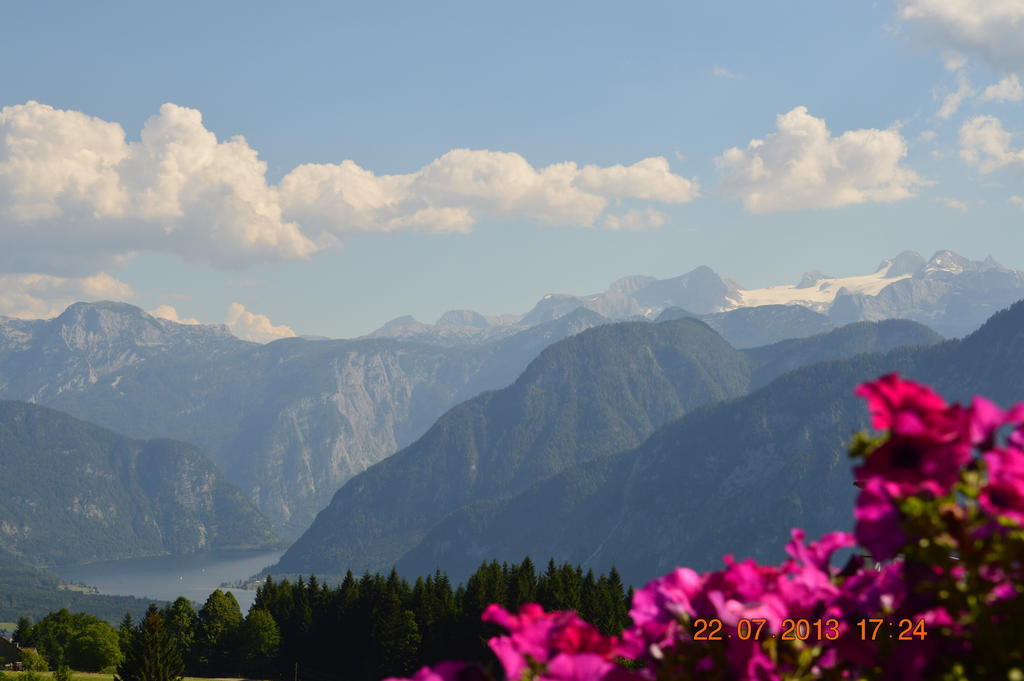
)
(595, 394)
(727, 478)
(74, 492)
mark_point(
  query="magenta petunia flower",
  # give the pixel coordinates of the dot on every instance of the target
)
(930, 441)
(878, 519)
(896, 402)
(1004, 493)
(560, 641)
(818, 553)
(447, 671)
(657, 609)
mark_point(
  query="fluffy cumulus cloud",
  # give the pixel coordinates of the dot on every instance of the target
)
(254, 327)
(802, 166)
(1017, 201)
(990, 29)
(39, 296)
(76, 193)
(987, 145)
(1008, 89)
(170, 314)
(955, 204)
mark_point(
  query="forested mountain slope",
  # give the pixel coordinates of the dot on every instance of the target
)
(73, 492)
(732, 477)
(597, 393)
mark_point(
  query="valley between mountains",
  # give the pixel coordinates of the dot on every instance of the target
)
(662, 422)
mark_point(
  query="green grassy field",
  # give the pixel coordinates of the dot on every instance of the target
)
(95, 676)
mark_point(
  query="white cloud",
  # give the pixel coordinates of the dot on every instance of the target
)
(990, 29)
(955, 204)
(170, 314)
(40, 296)
(648, 218)
(75, 194)
(1017, 201)
(985, 143)
(254, 327)
(951, 103)
(722, 72)
(1008, 89)
(802, 166)
(927, 136)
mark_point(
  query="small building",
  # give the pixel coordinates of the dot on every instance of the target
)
(10, 654)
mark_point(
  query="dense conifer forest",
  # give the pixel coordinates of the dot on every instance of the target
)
(362, 628)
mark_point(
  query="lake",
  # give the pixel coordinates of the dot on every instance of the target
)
(167, 577)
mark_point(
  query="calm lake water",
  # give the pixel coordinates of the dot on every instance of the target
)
(167, 577)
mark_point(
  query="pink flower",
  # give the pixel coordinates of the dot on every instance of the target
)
(929, 441)
(746, 590)
(917, 464)
(447, 671)
(1004, 493)
(560, 641)
(657, 609)
(895, 403)
(878, 519)
(819, 553)
(987, 419)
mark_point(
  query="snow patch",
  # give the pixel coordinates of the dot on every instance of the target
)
(818, 297)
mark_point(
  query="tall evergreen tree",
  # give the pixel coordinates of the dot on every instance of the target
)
(152, 654)
(180, 621)
(23, 632)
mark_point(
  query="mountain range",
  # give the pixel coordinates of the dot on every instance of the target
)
(732, 477)
(291, 421)
(583, 399)
(288, 422)
(950, 293)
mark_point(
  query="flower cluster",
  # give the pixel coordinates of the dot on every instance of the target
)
(937, 566)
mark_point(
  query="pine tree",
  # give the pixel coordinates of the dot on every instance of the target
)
(124, 632)
(152, 653)
(23, 632)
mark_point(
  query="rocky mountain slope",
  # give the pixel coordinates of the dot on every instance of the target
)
(604, 390)
(73, 492)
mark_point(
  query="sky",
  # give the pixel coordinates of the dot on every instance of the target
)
(320, 167)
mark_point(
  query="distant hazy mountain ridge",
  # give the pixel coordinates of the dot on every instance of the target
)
(950, 293)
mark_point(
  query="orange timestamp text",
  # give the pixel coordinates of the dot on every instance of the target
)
(831, 629)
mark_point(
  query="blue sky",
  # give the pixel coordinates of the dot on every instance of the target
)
(92, 210)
